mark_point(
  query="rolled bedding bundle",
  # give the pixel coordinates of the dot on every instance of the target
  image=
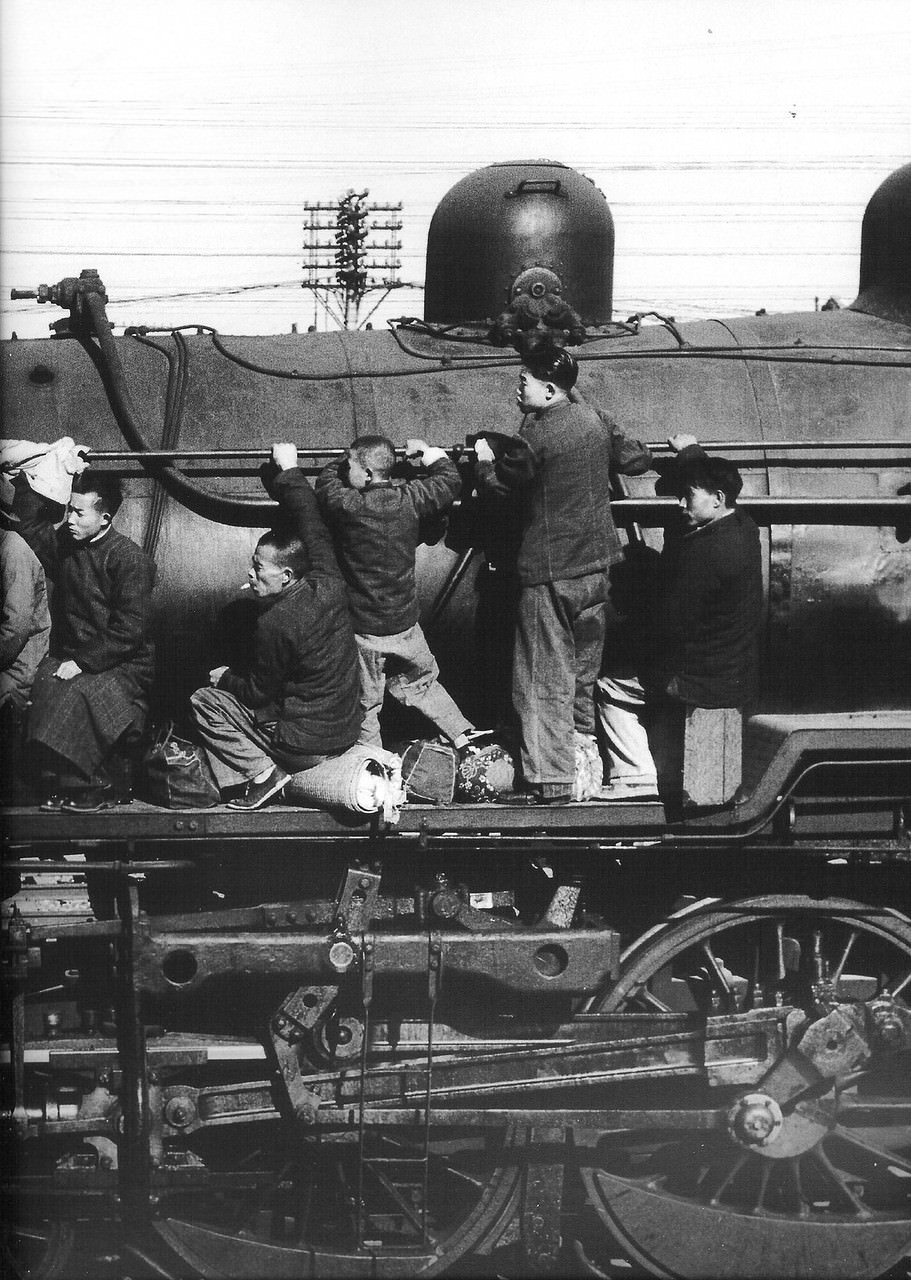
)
(364, 779)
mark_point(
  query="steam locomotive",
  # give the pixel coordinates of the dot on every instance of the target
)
(615, 1039)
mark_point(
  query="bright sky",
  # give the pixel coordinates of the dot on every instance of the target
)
(172, 145)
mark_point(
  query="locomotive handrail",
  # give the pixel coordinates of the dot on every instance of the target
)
(726, 446)
(647, 509)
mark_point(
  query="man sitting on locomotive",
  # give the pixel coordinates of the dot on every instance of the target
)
(298, 702)
(25, 628)
(375, 521)
(91, 691)
(702, 647)
(558, 468)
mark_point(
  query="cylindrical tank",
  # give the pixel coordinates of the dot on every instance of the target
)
(838, 628)
(837, 632)
(507, 218)
(885, 250)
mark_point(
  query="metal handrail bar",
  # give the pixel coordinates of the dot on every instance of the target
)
(727, 446)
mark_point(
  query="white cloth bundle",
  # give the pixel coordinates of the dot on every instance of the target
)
(365, 780)
(48, 468)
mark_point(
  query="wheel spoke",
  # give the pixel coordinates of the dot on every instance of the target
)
(840, 967)
(650, 1000)
(408, 1224)
(899, 987)
(35, 1250)
(839, 1181)
(765, 1174)
(721, 976)
(878, 1153)
(726, 1182)
(396, 1196)
(803, 1204)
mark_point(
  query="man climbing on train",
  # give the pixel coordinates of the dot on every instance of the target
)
(375, 520)
(297, 702)
(701, 645)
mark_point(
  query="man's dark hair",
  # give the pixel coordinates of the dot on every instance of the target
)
(376, 454)
(552, 364)
(105, 486)
(711, 474)
(289, 549)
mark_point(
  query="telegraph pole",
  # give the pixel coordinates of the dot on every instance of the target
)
(340, 272)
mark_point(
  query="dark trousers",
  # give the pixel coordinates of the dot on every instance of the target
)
(558, 647)
(73, 725)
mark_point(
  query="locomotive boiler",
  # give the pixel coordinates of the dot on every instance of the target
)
(298, 1043)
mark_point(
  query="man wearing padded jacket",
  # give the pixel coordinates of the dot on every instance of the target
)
(298, 702)
(702, 646)
(376, 523)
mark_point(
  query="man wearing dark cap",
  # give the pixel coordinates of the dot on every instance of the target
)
(704, 646)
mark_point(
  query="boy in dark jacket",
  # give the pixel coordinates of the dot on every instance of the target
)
(559, 468)
(375, 521)
(704, 647)
(298, 703)
(93, 686)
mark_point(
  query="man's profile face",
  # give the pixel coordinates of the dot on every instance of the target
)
(701, 506)
(358, 475)
(532, 394)
(84, 518)
(268, 577)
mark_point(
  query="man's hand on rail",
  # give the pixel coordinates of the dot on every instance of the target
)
(284, 456)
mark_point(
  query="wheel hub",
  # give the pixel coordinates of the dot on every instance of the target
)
(755, 1120)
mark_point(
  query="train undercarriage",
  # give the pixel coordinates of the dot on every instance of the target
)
(460, 1054)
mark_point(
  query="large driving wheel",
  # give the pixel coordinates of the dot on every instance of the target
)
(318, 1204)
(815, 1185)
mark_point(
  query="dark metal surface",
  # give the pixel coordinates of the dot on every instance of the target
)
(500, 221)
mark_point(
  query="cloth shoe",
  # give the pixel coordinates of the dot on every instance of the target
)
(619, 790)
(256, 794)
(90, 800)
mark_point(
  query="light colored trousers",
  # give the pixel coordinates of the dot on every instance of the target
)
(621, 701)
(404, 665)
(644, 736)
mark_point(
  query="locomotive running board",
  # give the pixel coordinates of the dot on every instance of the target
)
(140, 822)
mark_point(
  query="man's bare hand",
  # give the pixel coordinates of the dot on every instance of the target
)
(415, 449)
(483, 451)
(285, 456)
(681, 441)
(68, 670)
(216, 674)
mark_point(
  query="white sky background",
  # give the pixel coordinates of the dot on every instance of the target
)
(172, 145)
